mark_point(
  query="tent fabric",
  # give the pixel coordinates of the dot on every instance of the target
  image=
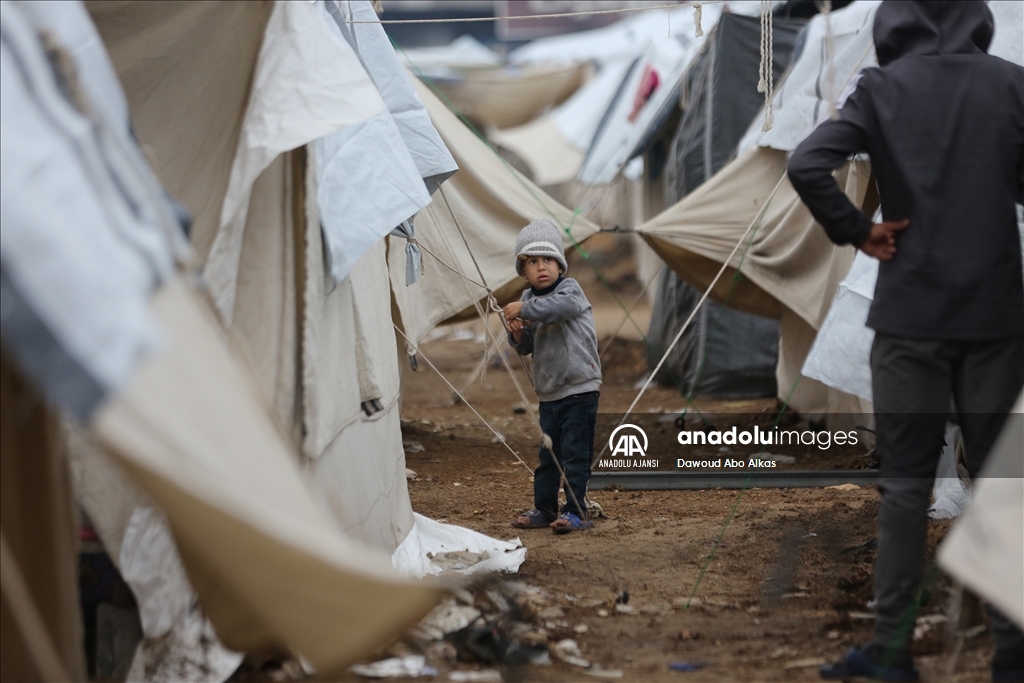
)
(724, 353)
(550, 158)
(307, 83)
(622, 129)
(269, 566)
(787, 264)
(76, 331)
(39, 527)
(554, 146)
(398, 153)
(803, 100)
(465, 52)
(984, 548)
(168, 57)
(625, 39)
(513, 96)
(179, 642)
(721, 99)
(492, 203)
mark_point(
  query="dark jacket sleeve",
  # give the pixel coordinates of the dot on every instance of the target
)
(824, 150)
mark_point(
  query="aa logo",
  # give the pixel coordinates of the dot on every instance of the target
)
(625, 441)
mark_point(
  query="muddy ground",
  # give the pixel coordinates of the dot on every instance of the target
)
(780, 580)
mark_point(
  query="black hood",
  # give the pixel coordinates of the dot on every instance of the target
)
(932, 27)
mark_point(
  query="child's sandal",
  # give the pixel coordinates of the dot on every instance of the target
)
(567, 522)
(534, 519)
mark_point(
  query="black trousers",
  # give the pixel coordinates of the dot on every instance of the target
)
(913, 381)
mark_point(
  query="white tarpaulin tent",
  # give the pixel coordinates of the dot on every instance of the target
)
(184, 418)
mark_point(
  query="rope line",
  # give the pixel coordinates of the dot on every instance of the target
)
(433, 367)
(750, 228)
(561, 15)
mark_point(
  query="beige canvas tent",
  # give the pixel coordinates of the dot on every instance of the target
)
(487, 202)
(505, 98)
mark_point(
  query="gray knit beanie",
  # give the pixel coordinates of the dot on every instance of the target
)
(540, 238)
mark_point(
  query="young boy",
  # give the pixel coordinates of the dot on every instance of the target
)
(554, 321)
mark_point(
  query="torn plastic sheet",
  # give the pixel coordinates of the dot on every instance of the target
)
(433, 548)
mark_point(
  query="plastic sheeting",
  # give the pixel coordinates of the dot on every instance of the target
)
(422, 551)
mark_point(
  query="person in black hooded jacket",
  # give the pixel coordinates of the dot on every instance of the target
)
(943, 124)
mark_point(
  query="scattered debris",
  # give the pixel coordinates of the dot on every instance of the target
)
(623, 598)
(569, 652)
(580, 628)
(519, 409)
(843, 487)
(413, 446)
(411, 475)
(626, 609)
(598, 672)
(686, 603)
(832, 635)
(782, 652)
(446, 618)
(925, 623)
(479, 676)
(864, 616)
(602, 612)
(396, 667)
(551, 613)
(498, 438)
(687, 666)
(805, 663)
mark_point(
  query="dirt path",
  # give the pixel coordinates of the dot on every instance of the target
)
(775, 597)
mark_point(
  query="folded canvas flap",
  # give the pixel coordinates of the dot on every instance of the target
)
(307, 84)
(790, 261)
(270, 568)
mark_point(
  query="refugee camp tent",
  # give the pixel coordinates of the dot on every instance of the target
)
(486, 204)
(98, 319)
(552, 147)
(511, 96)
(749, 214)
(724, 353)
(445, 61)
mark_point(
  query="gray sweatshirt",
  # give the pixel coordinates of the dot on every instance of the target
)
(562, 339)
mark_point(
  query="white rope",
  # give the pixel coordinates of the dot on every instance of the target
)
(830, 66)
(433, 367)
(546, 442)
(766, 71)
(531, 17)
(725, 264)
(698, 17)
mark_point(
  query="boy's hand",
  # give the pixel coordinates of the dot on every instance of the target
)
(512, 311)
(515, 326)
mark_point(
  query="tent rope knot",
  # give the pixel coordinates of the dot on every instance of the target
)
(698, 14)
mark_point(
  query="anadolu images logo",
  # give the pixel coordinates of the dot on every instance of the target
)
(628, 443)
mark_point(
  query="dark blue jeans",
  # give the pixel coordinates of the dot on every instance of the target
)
(570, 422)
